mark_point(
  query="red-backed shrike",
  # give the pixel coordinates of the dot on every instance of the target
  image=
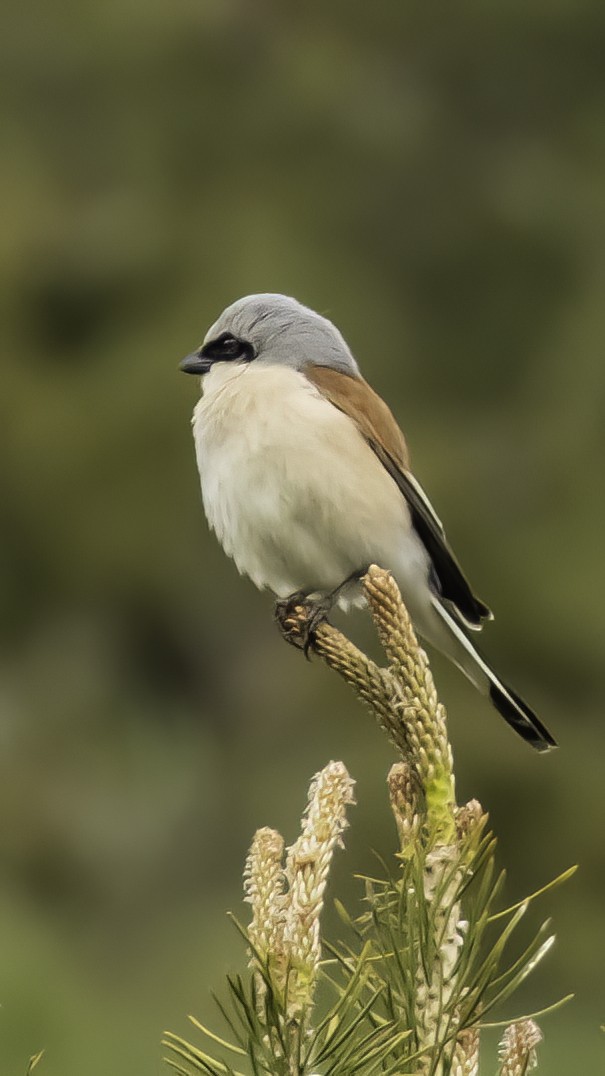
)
(306, 481)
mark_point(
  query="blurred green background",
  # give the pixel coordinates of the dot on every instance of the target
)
(432, 177)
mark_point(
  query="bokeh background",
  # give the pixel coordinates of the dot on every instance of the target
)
(433, 179)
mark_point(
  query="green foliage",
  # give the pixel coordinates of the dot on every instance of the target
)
(368, 1021)
(405, 931)
(429, 957)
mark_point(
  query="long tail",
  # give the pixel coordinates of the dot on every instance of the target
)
(517, 713)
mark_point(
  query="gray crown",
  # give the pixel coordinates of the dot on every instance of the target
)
(283, 331)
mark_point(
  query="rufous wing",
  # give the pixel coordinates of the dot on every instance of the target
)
(374, 420)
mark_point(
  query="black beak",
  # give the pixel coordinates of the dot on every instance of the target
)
(196, 363)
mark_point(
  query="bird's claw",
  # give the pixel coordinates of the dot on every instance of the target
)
(298, 618)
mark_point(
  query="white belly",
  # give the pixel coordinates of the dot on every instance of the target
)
(293, 491)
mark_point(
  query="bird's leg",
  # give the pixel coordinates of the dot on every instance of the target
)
(299, 615)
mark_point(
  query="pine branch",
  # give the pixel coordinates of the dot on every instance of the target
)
(428, 957)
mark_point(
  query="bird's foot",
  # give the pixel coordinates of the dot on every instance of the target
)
(299, 616)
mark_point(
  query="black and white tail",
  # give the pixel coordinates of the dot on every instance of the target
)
(455, 644)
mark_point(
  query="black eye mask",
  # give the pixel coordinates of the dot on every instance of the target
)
(225, 348)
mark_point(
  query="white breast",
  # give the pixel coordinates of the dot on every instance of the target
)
(293, 491)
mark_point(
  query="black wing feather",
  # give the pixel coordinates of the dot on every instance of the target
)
(446, 576)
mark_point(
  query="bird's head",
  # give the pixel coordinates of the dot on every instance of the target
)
(273, 330)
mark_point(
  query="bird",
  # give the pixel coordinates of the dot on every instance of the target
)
(306, 481)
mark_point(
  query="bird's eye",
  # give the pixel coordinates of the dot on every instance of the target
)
(230, 346)
(226, 347)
